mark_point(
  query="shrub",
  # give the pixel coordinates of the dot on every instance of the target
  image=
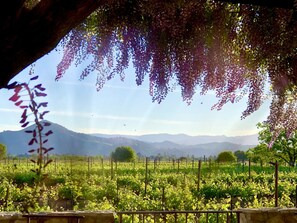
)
(226, 156)
(124, 154)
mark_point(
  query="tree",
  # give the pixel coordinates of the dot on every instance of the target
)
(124, 154)
(261, 154)
(3, 151)
(226, 156)
(284, 147)
(240, 155)
(228, 46)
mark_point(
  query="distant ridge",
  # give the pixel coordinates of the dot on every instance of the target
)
(190, 140)
(66, 141)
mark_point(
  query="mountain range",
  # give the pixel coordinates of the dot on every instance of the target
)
(184, 139)
(65, 141)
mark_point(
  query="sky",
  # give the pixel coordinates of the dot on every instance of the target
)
(122, 107)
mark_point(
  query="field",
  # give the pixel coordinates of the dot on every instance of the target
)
(90, 183)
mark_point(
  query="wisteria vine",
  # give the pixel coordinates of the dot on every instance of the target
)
(25, 97)
(231, 49)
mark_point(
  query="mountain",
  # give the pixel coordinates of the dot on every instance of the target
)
(184, 139)
(63, 140)
(66, 141)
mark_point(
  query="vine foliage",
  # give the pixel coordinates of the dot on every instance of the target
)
(26, 98)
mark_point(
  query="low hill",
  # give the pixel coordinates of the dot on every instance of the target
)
(66, 141)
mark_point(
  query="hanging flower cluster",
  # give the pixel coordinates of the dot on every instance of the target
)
(26, 98)
(231, 49)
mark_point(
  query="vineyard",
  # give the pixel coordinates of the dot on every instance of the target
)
(89, 183)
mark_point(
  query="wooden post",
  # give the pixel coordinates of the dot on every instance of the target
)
(88, 165)
(111, 168)
(209, 167)
(249, 168)
(102, 164)
(231, 208)
(275, 182)
(163, 196)
(198, 175)
(118, 197)
(70, 166)
(296, 196)
(146, 169)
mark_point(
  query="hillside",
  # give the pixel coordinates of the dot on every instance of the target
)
(66, 141)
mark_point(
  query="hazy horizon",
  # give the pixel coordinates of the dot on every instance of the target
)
(119, 134)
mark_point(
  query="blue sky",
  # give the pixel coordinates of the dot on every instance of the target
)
(125, 108)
